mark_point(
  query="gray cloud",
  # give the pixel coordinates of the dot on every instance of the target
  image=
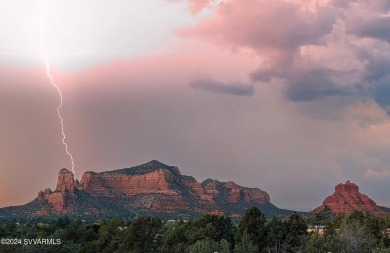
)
(307, 84)
(375, 5)
(236, 89)
(382, 96)
(376, 27)
(376, 76)
(281, 32)
(312, 84)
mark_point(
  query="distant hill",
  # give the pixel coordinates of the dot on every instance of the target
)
(149, 189)
(347, 198)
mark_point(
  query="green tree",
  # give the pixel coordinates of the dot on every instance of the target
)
(213, 227)
(209, 246)
(381, 250)
(109, 234)
(252, 229)
(176, 240)
(353, 216)
(142, 236)
(246, 245)
(221, 226)
(355, 235)
(62, 222)
(296, 232)
(74, 232)
(323, 217)
(327, 243)
(276, 235)
(372, 226)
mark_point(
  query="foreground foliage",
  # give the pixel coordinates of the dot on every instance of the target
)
(351, 233)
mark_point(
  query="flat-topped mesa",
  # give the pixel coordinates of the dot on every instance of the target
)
(106, 185)
(347, 198)
(150, 178)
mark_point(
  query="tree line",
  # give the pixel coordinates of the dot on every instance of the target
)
(355, 232)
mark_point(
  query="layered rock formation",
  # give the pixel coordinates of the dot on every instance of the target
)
(347, 198)
(234, 193)
(62, 195)
(149, 188)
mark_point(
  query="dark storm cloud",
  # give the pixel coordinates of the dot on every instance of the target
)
(305, 84)
(280, 32)
(312, 84)
(377, 27)
(382, 96)
(376, 76)
(236, 89)
(376, 63)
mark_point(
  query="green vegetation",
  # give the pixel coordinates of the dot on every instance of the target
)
(355, 232)
(350, 233)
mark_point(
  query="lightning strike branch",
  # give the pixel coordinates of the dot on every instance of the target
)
(48, 73)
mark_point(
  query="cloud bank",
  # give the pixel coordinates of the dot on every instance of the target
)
(317, 49)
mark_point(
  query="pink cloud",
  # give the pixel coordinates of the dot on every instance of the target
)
(270, 27)
(195, 6)
(316, 49)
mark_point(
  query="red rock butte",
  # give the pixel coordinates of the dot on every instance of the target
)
(347, 198)
(145, 189)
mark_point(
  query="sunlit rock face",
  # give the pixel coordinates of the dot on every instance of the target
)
(151, 188)
(347, 198)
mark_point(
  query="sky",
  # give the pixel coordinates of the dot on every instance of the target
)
(289, 96)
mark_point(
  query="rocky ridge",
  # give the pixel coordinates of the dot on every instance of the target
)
(151, 188)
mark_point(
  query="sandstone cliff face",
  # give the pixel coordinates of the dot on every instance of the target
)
(151, 187)
(156, 182)
(347, 198)
(235, 193)
(65, 182)
(64, 192)
(196, 188)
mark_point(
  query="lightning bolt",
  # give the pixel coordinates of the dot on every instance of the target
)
(48, 73)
